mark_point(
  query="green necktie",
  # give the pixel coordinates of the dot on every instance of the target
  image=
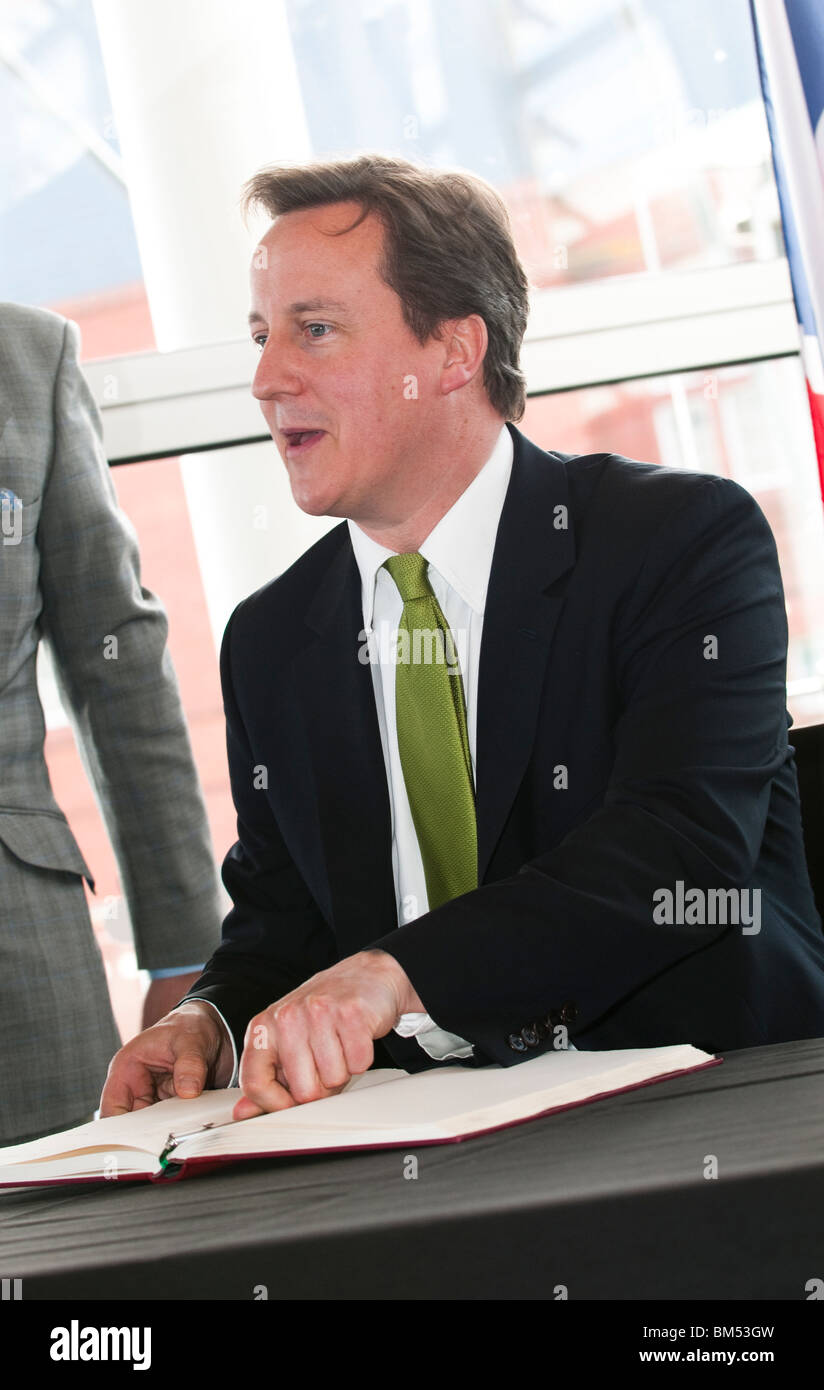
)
(432, 737)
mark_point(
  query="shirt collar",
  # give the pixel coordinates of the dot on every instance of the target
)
(460, 546)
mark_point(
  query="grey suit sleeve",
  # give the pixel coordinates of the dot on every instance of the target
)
(108, 638)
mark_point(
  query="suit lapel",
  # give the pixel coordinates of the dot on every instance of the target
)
(533, 548)
(338, 706)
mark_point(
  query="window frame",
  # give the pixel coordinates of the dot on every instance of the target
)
(163, 404)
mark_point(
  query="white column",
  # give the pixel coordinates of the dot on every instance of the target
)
(204, 93)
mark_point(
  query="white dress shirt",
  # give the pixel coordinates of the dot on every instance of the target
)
(459, 555)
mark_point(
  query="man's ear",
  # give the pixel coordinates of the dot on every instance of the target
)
(465, 342)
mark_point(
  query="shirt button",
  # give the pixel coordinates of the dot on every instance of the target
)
(530, 1035)
(516, 1042)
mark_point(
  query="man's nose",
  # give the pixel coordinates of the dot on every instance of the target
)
(276, 374)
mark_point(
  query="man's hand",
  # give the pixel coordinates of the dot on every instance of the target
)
(181, 1055)
(311, 1042)
(162, 995)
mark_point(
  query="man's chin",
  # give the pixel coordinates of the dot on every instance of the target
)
(315, 504)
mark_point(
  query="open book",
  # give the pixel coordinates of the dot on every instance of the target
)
(379, 1109)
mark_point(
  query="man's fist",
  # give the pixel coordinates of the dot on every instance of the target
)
(311, 1042)
(180, 1055)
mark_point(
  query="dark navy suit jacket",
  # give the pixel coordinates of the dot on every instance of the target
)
(620, 751)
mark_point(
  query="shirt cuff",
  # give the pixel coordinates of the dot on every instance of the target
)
(435, 1042)
(171, 970)
(191, 1000)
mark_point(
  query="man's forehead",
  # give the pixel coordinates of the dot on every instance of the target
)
(302, 268)
(313, 235)
(324, 223)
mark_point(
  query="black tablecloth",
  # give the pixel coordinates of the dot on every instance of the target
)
(610, 1200)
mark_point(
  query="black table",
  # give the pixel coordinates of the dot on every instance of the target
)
(607, 1201)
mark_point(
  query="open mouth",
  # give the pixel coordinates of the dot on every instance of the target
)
(298, 441)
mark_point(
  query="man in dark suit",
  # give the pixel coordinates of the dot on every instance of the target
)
(588, 834)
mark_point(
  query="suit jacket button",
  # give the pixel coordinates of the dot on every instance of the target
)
(516, 1042)
(531, 1035)
(569, 1012)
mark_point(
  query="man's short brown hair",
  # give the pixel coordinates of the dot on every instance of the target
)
(448, 250)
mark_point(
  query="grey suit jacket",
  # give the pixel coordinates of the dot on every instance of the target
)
(69, 574)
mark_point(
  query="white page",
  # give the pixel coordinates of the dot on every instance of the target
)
(147, 1130)
(447, 1100)
(144, 1129)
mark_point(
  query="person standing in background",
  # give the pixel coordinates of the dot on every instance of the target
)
(70, 575)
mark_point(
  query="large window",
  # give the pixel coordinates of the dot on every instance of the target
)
(626, 135)
(67, 240)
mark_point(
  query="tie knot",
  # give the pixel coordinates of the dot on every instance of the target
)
(409, 574)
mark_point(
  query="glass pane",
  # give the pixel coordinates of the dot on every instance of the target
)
(624, 136)
(750, 423)
(66, 236)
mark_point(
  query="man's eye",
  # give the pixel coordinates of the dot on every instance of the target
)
(260, 339)
(317, 325)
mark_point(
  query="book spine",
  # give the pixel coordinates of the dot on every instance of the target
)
(172, 1172)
